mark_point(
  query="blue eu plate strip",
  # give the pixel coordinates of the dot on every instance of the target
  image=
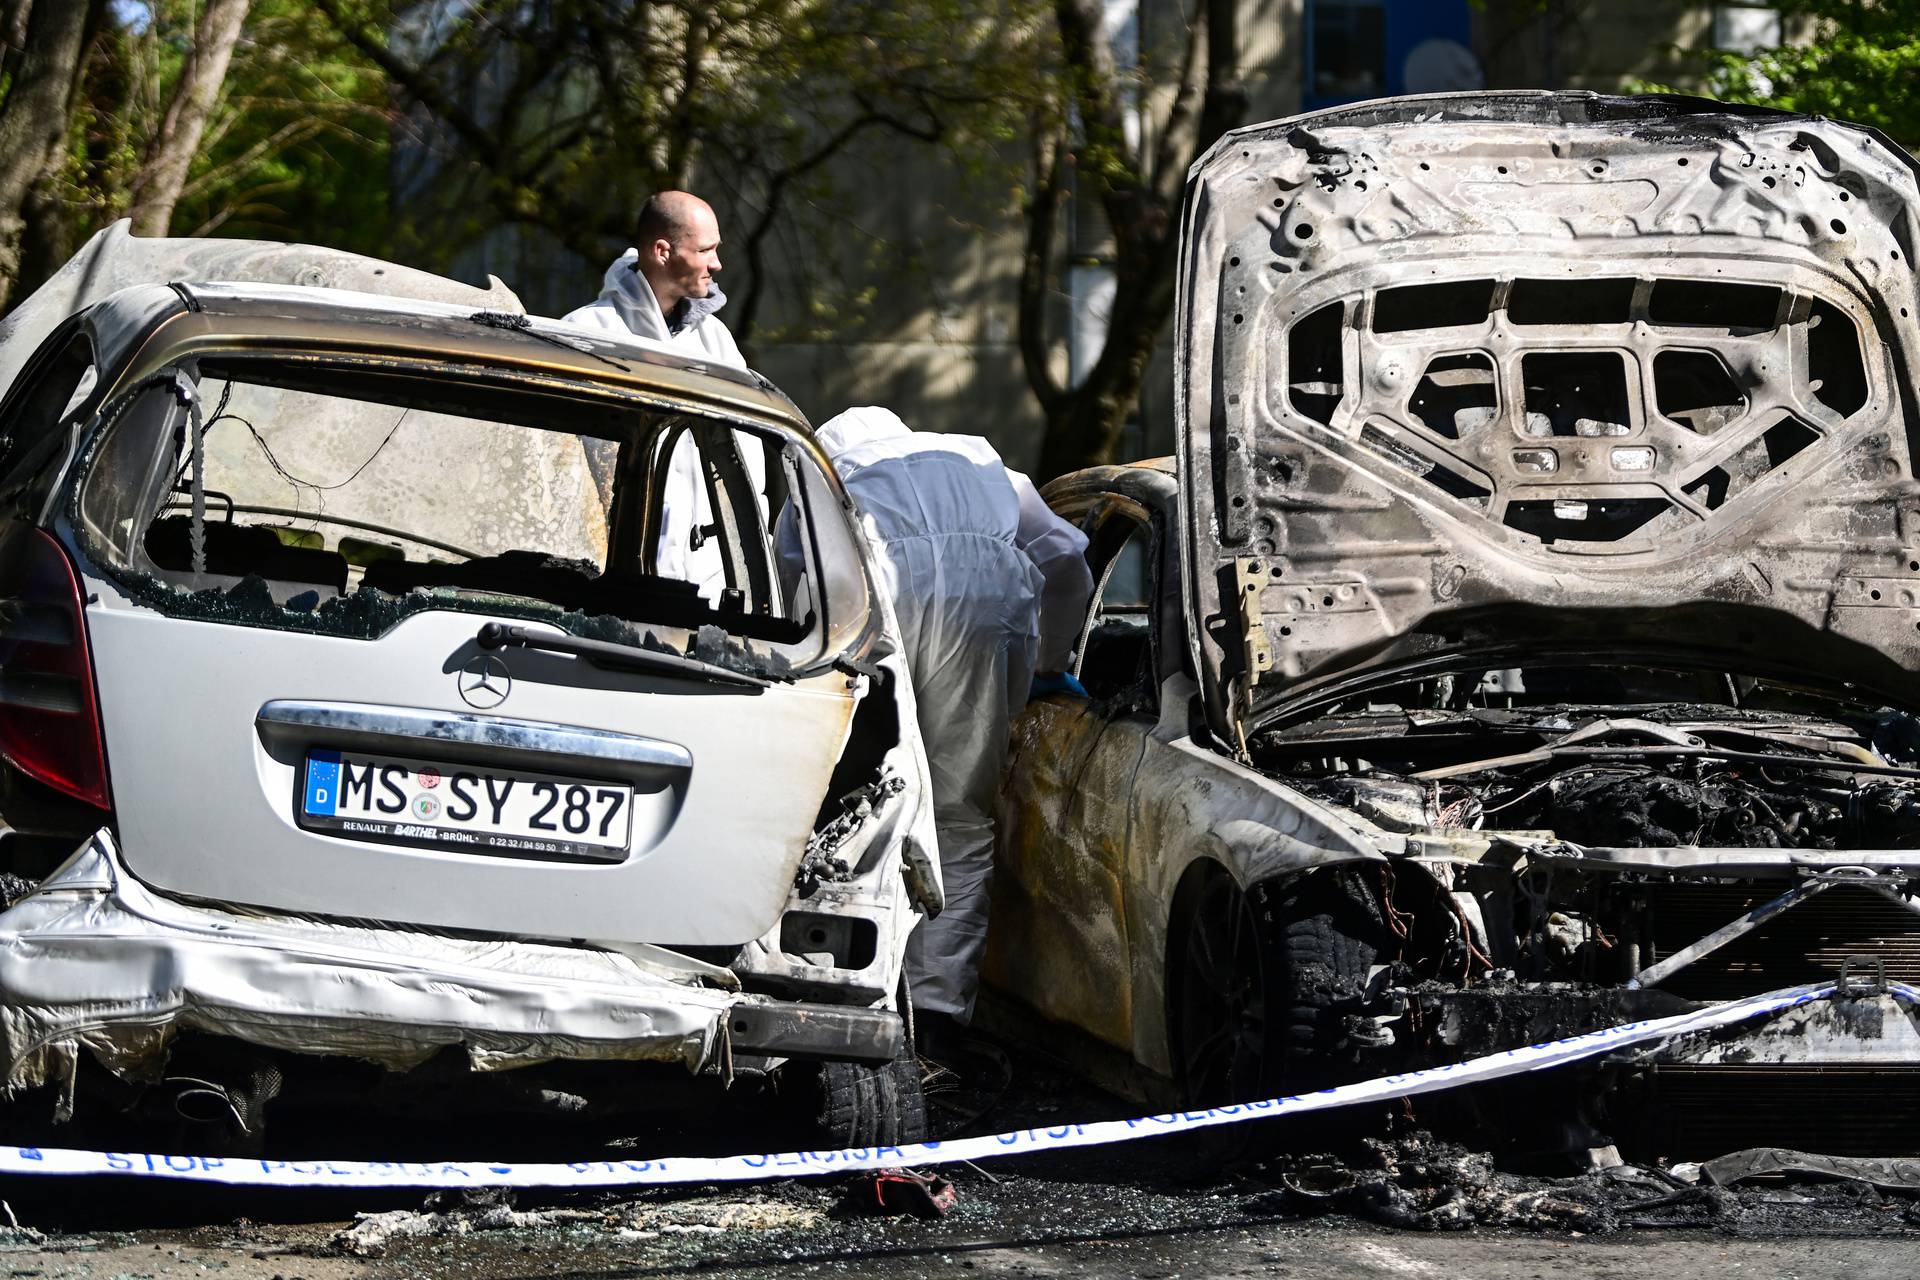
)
(323, 783)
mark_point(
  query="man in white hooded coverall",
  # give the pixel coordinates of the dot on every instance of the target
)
(663, 291)
(990, 588)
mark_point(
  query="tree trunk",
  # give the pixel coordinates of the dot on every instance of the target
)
(1084, 424)
(163, 173)
(46, 238)
(35, 116)
(1141, 197)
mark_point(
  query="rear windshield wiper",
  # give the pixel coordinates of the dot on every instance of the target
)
(514, 322)
(497, 635)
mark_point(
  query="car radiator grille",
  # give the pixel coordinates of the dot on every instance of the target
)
(1806, 943)
(1699, 1112)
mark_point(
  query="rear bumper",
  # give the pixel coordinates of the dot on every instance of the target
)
(94, 960)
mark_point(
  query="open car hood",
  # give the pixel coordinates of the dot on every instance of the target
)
(116, 259)
(1481, 371)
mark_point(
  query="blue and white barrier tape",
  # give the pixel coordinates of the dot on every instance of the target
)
(792, 1164)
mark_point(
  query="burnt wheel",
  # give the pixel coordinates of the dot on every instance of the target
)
(861, 1105)
(1265, 984)
(1226, 969)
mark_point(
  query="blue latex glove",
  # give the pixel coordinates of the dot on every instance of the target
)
(1059, 682)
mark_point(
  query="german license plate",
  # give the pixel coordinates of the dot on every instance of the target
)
(462, 808)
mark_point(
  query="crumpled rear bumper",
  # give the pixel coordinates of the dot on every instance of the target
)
(94, 960)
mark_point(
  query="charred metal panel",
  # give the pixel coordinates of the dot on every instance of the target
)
(1634, 374)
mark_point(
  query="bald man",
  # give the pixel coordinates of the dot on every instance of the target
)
(662, 290)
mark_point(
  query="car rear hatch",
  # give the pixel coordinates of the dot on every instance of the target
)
(389, 642)
(1525, 373)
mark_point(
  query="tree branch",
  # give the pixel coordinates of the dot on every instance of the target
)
(1167, 174)
(776, 195)
(36, 113)
(163, 174)
(419, 84)
(1042, 217)
(287, 135)
(1091, 79)
(1225, 104)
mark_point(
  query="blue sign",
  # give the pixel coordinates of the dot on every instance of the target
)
(323, 782)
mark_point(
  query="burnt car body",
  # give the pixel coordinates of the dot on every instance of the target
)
(353, 746)
(1528, 633)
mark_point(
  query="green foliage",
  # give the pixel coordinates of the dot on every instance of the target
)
(541, 124)
(296, 150)
(1861, 64)
(299, 150)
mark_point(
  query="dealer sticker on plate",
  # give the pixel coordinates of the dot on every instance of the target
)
(463, 807)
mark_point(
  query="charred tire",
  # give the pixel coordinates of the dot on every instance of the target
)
(1264, 984)
(859, 1104)
(1329, 939)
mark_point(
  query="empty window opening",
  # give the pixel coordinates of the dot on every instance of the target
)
(1762, 455)
(1456, 396)
(1432, 306)
(1585, 520)
(1833, 360)
(1575, 393)
(1570, 302)
(1695, 389)
(341, 498)
(1315, 367)
(1748, 307)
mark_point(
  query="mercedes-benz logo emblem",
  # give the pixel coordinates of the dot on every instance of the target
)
(485, 682)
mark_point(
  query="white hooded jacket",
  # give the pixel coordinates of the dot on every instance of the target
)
(626, 305)
(904, 493)
(986, 582)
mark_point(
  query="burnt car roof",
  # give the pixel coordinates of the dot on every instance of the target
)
(263, 293)
(1490, 372)
(378, 321)
(278, 318)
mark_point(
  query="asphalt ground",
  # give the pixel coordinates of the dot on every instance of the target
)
(1407, 1205)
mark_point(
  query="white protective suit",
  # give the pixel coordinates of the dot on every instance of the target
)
(989, 586)
(626, 305)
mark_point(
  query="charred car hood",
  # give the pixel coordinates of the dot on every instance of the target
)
(1480, 372)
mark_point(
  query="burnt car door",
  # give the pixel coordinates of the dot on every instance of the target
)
(1059, 936)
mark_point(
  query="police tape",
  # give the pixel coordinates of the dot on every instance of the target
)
(675, 1170)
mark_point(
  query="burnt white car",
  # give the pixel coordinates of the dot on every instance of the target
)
(354, 744)
(1526, 636)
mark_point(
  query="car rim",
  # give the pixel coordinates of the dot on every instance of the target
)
(1223, 1020)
